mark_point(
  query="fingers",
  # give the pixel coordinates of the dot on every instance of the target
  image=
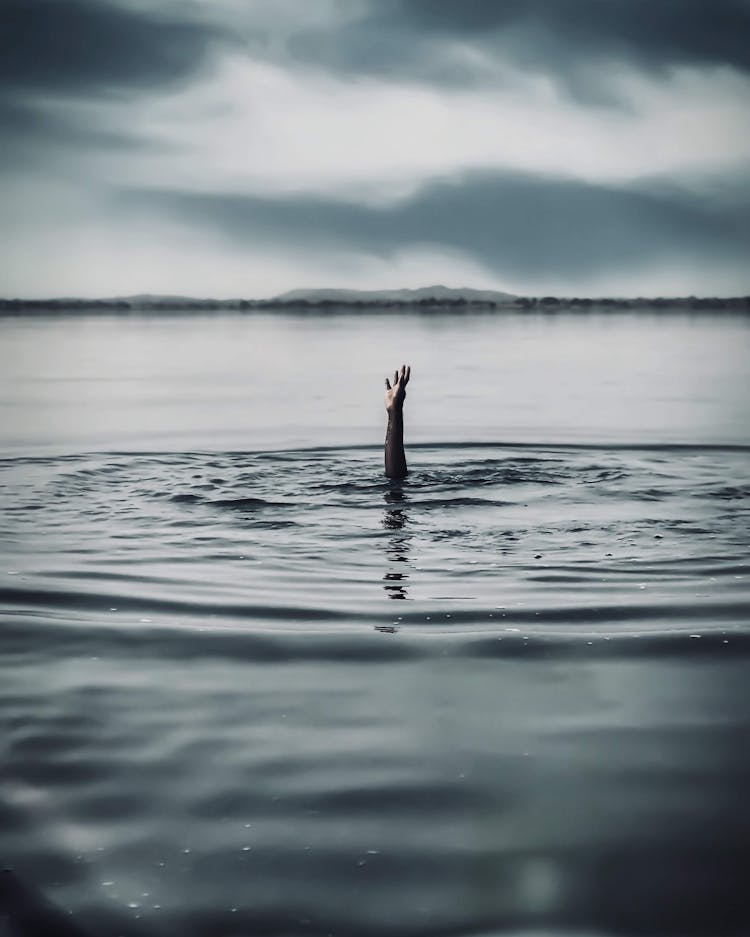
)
(400, 377)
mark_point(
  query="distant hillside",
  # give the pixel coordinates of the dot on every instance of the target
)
(426, 294)
(428, 298)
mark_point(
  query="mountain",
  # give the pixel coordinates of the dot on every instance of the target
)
(424, 295)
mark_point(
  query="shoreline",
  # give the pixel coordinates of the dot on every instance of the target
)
(436, 304)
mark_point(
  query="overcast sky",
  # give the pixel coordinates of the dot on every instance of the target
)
(247, 147)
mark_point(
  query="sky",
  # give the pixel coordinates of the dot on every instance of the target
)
(241, 148)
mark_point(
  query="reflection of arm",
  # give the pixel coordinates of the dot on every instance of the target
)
(395, 459)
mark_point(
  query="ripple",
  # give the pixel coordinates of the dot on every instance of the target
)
(210, 700)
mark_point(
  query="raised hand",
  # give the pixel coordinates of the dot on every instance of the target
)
(395, 459)
(396, 394)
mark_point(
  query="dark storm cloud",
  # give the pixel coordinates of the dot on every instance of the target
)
(84, 49)
(513, 224)
(93, 46)
(36, 138)
(655, 32)
(569, 38)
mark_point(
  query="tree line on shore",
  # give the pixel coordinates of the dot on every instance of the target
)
(522, 303)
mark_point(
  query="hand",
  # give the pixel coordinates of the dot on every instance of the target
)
(395, 395)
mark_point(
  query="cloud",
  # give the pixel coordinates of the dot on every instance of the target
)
(661, 33)
(525, 144)
(247, 124)
(57, 56)
(255, 128)
(449, 43)
(511, 231)
(39, 136)
(94, 46)
(515, 225)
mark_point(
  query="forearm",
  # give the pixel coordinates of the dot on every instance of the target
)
(395, 459)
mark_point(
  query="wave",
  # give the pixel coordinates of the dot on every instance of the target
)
(541, 446)
(564, 540)
(542, 618)
(44, 639)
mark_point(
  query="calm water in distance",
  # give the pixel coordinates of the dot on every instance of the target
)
(233, 381)
(249, 686)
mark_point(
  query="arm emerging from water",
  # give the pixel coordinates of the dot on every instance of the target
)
(395, 460)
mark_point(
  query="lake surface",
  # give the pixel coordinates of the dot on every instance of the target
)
(249, 686)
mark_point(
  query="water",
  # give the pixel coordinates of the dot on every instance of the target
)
(248, 686)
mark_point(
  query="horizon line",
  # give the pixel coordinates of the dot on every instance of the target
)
(315, 297)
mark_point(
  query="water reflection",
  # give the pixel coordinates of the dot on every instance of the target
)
(396, 519)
